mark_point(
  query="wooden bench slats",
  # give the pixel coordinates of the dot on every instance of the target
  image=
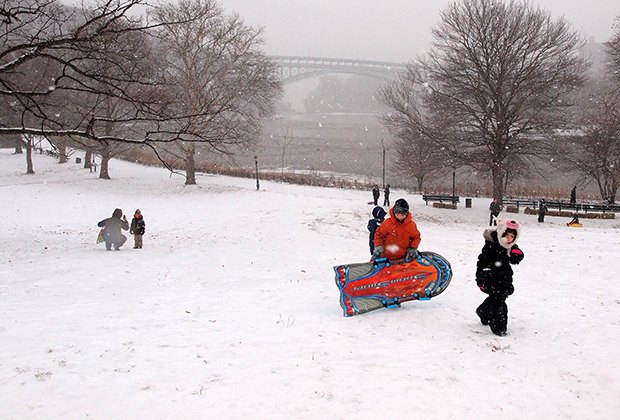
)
(441, 198)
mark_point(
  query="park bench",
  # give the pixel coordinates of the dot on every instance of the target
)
(518, 203)
(441, 198)
(560, 205)
(612, 208)
(585, 207)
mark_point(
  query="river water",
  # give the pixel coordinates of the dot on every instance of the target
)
(340, 143)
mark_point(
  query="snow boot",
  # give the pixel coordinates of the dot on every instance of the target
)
(499, 331)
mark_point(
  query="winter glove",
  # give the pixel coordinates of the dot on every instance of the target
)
(376, 254)
(412, 253)
(516, 255)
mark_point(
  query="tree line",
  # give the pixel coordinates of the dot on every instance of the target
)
(505, 87)
(111, 76)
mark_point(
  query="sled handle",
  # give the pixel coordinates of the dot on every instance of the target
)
(380, 261)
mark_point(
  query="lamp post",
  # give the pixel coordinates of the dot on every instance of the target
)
(383, 154)
(383, 166)
(256, 165)
(453, 184)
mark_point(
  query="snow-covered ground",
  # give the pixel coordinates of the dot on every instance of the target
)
(230, 310)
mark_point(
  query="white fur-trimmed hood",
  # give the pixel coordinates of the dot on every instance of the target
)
(502, 225)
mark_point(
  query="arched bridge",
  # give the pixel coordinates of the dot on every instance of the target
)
(295, 68)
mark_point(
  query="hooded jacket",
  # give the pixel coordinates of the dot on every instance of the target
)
(493, 272)
(113, 226)
(378, 215)
(138, 226)
(395, 237)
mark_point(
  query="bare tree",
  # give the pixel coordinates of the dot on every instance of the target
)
(593, 150)
(65, 72)
(127, 57)
(613, 50)
(46, 56)
(50, 40)
(499, 74)
(417, 154)
(221, 84)
(285, 141)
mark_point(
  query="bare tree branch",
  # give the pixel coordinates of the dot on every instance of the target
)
(499, 75)
(220, 83)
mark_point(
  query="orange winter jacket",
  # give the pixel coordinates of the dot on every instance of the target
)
(395, 237)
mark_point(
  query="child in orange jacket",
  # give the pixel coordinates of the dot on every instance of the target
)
(397, 237)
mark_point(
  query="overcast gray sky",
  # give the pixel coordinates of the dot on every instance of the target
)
(388, 30)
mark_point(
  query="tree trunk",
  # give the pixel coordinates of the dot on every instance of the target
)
(105, 159)
(61, 143)
(420, 183)
(613, 188)
(190, 165)
(498, 183)
(88, 157)
(607, 188)
(18, 145)
(29, 166)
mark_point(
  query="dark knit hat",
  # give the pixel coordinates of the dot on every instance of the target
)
(378, 213)
(401, 206)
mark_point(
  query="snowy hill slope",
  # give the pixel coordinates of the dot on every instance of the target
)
(230, 309)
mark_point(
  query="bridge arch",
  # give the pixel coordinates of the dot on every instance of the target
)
(294, 68)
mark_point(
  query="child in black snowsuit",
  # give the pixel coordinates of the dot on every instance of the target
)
(378, 215)
(494, 274)
(137, 229)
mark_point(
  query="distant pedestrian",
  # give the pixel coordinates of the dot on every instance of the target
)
(375, 194)
(378, 215)
(137, 228)
(386, 195)
(495, 208)
(573, 195)
(542, 211)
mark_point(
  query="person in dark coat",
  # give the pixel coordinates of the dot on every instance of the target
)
(112, 226)
(574, 221)
(494, 208)
(378, 216)
(375, 194)
(542, 211)
(573, 195)
(386, 195)
(494, 274)
(137, 228)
